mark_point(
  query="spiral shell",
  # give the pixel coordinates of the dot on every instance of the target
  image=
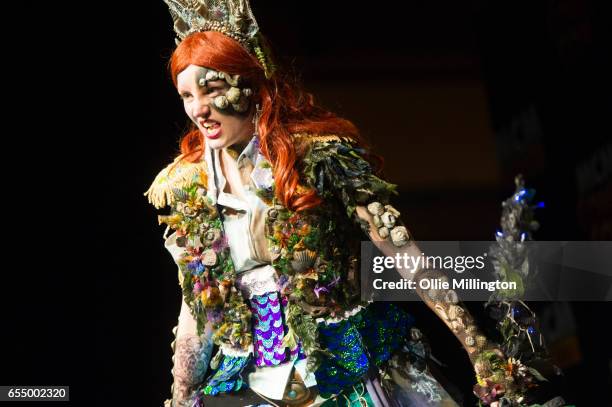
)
(434, 294)
(457, 325)
(470, 341)
(241, 106)
(303, 260)
(383, 232)
(388, 219)
(441, 311)
(481, 341)
(482, 369)
(399, 236)
(375, 208)
(212, 75)
(451, 297)
(233, 95)
(272, 214)
(221, 102)
(189, 211)
(209, 257)
(416, 334)
(455, 311)
(377, 221)
(232, 80)
(212, 235)
(392, 211)
(203, 227)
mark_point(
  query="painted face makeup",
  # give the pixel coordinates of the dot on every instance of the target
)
(219, 104)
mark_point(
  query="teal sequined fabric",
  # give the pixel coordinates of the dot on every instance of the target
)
(384, 328)
(377, 331)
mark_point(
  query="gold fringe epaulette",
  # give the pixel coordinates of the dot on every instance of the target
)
(178, 174)
(321, 137)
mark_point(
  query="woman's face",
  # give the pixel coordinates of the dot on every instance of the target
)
(222, 128)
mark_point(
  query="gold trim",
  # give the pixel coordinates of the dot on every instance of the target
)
(178, 174)
(321, 137)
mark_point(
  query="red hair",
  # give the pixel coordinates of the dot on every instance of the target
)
(286, 109)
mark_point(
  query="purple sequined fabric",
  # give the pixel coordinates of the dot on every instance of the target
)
(269, 330)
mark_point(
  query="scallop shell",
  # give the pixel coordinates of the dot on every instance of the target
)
(233, 95)
(383, 232)
(376, 208)
(221, 102)
(209, 257)
(247, 92)
(399, 236)
(392, 210)
(303, 259)
(388, 219)
(179, 194)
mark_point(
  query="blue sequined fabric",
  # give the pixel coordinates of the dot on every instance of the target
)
(227, 377)
(377, 331)
(384, 328)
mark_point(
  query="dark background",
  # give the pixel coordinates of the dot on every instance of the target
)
(458, 97)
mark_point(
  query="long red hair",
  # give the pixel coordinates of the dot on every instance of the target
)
(286, 109)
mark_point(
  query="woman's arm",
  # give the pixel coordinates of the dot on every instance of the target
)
(453, 313)
(191, 356)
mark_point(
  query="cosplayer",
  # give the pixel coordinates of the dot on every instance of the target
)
(270, 199)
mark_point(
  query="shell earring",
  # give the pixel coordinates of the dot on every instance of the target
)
(256, 118)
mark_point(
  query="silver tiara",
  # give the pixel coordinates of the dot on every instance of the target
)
(233, 18)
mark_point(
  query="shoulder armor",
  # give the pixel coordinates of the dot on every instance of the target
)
(178, 174)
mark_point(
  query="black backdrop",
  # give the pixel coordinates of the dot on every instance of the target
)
(91, 295)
